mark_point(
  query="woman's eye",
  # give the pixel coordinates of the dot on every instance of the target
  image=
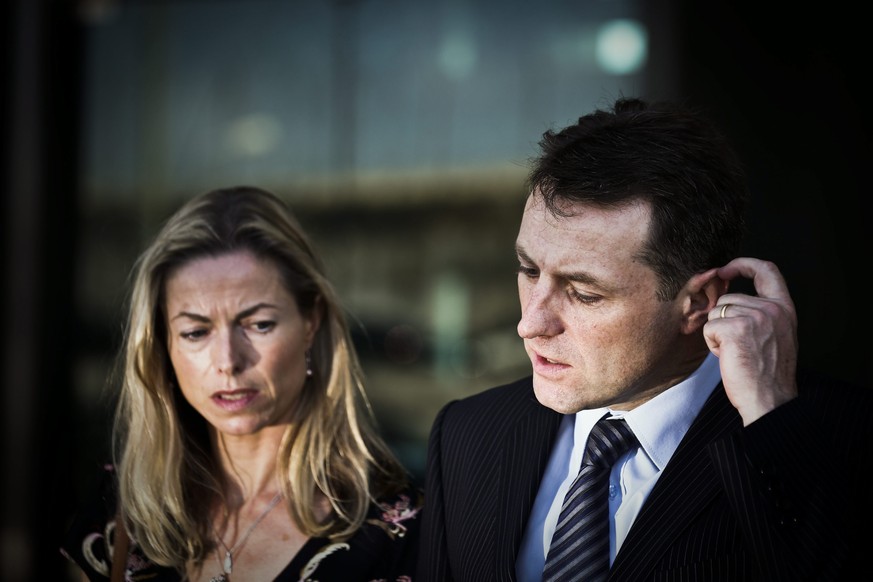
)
(264, 326)
(193, 335)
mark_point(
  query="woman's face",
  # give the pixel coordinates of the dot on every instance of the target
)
(237, 341)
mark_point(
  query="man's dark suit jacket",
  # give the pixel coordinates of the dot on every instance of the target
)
(780, 499)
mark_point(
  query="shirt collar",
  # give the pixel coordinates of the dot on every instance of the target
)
(661, 423)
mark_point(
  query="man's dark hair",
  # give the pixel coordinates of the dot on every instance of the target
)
(665, 154)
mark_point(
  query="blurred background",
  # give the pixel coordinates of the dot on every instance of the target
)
(399, 130)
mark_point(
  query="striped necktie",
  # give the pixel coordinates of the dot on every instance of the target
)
(580, 545)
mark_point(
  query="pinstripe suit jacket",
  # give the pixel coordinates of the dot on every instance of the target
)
(771, 501)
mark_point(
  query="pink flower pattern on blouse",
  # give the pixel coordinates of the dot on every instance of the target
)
(398, 512)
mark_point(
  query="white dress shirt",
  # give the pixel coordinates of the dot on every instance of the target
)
(659, 425)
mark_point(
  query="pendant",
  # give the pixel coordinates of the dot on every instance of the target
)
(219, 578)
(228, 563)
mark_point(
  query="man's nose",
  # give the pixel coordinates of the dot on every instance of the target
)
(540, 315)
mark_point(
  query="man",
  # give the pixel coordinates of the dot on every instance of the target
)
(742, 468)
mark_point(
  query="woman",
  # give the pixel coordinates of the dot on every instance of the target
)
(244, 445)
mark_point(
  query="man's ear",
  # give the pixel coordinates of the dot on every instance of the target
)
(700, 294)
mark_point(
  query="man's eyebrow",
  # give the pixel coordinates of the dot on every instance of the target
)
(574, 276)
(582, 277)
(521, 254)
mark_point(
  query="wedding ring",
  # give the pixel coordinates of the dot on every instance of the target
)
(723, 309)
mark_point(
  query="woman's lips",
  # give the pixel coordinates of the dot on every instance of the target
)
(234, 400)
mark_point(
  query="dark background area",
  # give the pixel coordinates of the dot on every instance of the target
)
(783, 81)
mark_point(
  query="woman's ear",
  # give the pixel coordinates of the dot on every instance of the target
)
(314, 320)
(701, 293)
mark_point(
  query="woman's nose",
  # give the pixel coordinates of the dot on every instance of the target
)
(228, 353)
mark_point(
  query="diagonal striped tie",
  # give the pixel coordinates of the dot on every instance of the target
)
(580, 546)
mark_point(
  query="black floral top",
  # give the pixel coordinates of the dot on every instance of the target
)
(383, 550)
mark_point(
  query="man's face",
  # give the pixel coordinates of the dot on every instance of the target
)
(592, 325)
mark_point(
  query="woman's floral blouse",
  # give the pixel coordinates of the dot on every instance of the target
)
(383, 550)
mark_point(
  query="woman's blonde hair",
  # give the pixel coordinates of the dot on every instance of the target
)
(168, 476)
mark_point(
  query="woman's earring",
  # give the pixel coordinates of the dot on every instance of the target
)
(308, 363)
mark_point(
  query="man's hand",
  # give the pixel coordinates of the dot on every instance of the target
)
(755, 339)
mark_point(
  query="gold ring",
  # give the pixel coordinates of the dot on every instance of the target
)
(723, 309)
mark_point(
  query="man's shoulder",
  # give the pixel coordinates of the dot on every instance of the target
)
(471, 432)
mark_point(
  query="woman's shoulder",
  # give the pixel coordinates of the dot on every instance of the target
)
(90, 535)
(89, 541)
(384, 548)
(397, 514)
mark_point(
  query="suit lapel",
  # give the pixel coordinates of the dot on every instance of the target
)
(687, 484)
(525, 454)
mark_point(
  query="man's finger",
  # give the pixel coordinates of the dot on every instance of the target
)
(765, 275)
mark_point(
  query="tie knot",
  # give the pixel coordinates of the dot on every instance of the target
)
(609, 439)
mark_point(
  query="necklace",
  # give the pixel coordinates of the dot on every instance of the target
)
(228, 552)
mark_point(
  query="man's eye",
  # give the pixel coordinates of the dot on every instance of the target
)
(528, 271)
(582, 298)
